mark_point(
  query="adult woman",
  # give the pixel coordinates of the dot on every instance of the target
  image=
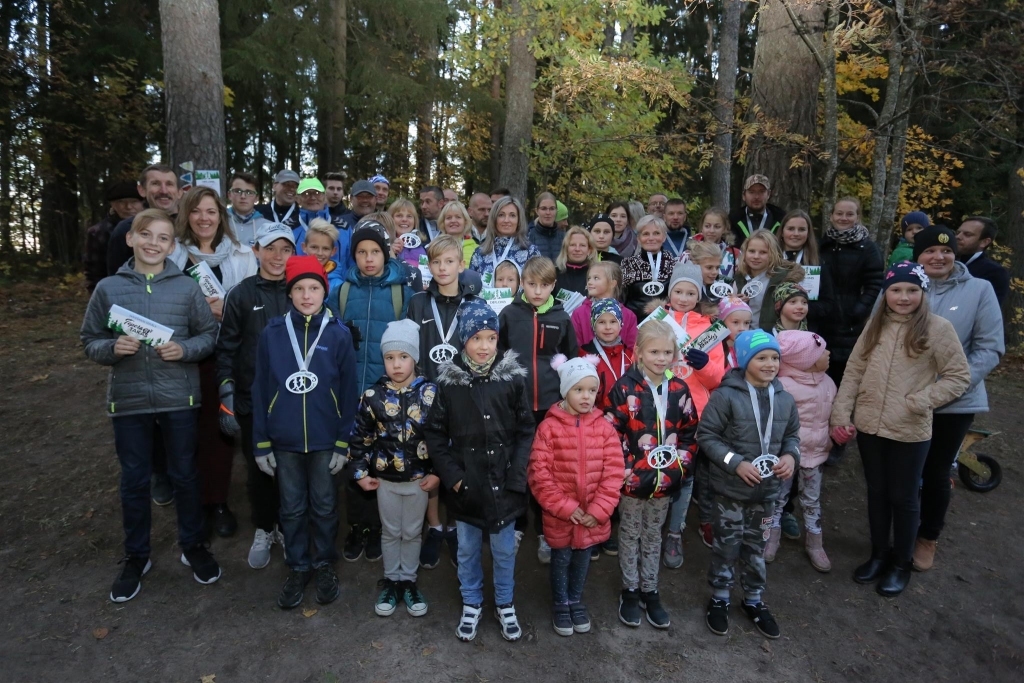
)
(645, 275)
(970, 304)
(544, 232)
(505, 238)
(799, 245)
(625, 241)
(454, 220)
(602, 230)
(204, 235)
(575, 257)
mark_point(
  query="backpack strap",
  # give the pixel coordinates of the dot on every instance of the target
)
(343, 299)
(396, 300)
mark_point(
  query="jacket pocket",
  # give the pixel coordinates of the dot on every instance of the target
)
(919, 403)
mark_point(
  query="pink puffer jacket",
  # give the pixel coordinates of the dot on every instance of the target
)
(814, 393)
(576, 462)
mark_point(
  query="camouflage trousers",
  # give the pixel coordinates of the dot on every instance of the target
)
(640, 522)
(741, 531)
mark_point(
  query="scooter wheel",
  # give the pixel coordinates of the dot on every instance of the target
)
(976, 483)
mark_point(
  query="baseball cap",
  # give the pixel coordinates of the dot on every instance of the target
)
(287, 176)
(757, 179)
(362, 186)
(271, 232)
(310, 184)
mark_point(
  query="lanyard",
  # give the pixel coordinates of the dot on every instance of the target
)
(764, 438)
(678, 251)
(604, 357)
(660, 405)
(304, 364)
(655, 266)
(274, 211)
(504, 255)
(764, 218)
(437, 321)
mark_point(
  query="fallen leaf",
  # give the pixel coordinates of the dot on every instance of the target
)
(427, 651)
(89, 513)
(764, 646)
(377, 645)
(306, 613)
(100, 633)
(39, 378)
(208, 678)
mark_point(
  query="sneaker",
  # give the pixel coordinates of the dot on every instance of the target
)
(415, 603)
(630, 613)
(717, 617)
(327, 589)
(387, 600)
(771, 548)
(707, 535)
(451, 537)
(580, 618)
(790, 527)
(519, 539)
(259, 551)
(430, 551)
(595, 553)
(291, 593)
(561, 620)
(355, 544)
(763, 619)
(373, 550)
(205, 569)
(223, 521)
(610, 547)
(506, 616)
(673, 557)
(656, 614)
(129, 581)
(161, 490)
(468, 622)
(543, 550)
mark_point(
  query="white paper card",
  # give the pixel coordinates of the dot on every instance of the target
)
(709, 338)
(497, 299)
(208, 282)
(424, 266)
(123, 321)
(812, 282)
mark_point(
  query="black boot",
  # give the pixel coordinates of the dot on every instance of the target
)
(872, 569)
(894, 580)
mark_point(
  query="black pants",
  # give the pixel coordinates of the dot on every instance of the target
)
(261, 487)
(360, 506)
(522, 522)
(948, 432)
(892, 470)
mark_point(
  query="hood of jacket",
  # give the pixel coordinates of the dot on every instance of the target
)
(736, 378)
(567, 419)
(467, 286)
(455, 372)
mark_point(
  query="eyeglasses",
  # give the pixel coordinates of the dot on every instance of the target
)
(312, 194)
(242, 193)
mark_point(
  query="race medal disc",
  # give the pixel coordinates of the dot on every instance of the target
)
(764, 464)
(301, 382)
(662, 457)
(721, 289)
(653, 288)
(684, 370)
(411, 240)
(752, 289)
(442, 353)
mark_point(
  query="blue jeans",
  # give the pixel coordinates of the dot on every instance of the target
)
(471, 568)
(308, 499)
(568, 574)
(133, 440)
(680, 504)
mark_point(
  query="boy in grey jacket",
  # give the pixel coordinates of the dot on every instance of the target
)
(150, 384)
(750, 431)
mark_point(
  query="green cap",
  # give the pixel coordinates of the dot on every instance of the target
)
(310, 184)
(561, 213)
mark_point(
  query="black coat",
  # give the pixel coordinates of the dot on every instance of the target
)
(267, 211)
(573, 278)
(855, 272)
(819, 312)
(422, 313)
(740, 229)
(537, 338)
(480, 432)
(986, 269)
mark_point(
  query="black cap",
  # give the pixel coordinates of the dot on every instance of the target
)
(124, 189)
(374, 231)
(934, 236)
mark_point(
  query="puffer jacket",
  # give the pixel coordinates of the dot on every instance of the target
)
(635, 418)
(620, 359)
(479, 432)
(548, 240)
(727, 434)
(636, 272)
(370, 307)
(855, 272)
(576, 462)
(537, 337)
(813, 393)
(142, 382)
(387, 441)
(518, 254)
(422, 313)
(584, 329)
(892, 395)
(701, 382)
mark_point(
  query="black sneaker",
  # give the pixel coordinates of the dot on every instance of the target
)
(161, 490)
(561, 620)
(223, 521)
(129, 581)
(580, 618)
(451, 539)
(430, 551)
(291, 593)
(630, 613)
(656, 614)
(763, 619)
(611, 546)
(355, 544)
(718, 617)
(205, 569)
(327, 589)
(373, 551)
(595, 553)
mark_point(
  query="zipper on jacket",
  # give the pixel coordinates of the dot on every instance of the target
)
(149, 370)
(581, 476)
(536, 390)
(305, 346)
(366, 342)
(272, 402)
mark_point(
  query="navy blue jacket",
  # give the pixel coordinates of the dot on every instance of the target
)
(986, 269)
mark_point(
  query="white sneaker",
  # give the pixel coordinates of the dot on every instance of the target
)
(259, 552)
(543, 550)
(506, 615)
(468, 623)
(519, 539)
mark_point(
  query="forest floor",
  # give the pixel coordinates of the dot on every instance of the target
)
(61, 539)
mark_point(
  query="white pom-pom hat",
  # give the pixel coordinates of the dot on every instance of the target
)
(570, 372)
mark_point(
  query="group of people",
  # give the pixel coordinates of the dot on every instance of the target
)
(726, 362)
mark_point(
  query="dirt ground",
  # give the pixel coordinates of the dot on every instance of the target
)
(60, 539)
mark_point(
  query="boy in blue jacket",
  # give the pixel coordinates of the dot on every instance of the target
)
(304, 404)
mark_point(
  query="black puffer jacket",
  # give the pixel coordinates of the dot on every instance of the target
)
(855, 272)
(387, 441)
(422, 313)
(537, 338)
(480, 432)
(249, 306)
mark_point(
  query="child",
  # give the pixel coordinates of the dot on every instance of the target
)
(479, 433)
(715, 230)
(911, 224)
(607, 344)
(303, 405)
(748, 417)
(253, 303)
(888, 392)
(151, 285)
(802, 374)
(602, 231)
(654, 416)
(791, 306)
(761, 270)
(602, 283)
(576, 473)
(709, 258)
(321, 240)
(390, 457)
(737, 316)
(506, 276)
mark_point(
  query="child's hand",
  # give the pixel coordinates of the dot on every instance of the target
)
(577, 516)
(589, 521)
(126, 346)
(841, 435)
(171, 351)
(368, 483)
(748, 474)
(216, 307)
(396, 248)
(625, 478)
(429, 483)
(784, 467)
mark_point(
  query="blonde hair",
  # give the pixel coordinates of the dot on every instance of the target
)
(775, 257)
(651, 331)
(702, 250)
(563, 253)
(506, 265)
(443, 243)
(541, 269)
(612, 271)
(405, 206)
(321, 227)
(723, 215)
(455, 207)
(521, 237)
(915, 340)
(145, 218)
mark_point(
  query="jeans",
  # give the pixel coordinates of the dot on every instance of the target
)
(471, 569)
(133, 440)
(680, 504)
(215, 450)
(568, 574)
(948, 432)
(402, 506)
(308, 499)
(261, 487)
(893, 473)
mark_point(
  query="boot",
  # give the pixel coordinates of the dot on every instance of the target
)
(771, 548)
(872, 569)
(894, 580)
(819, 560)
(924, 554)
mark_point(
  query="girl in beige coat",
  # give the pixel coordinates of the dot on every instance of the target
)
(906, 363)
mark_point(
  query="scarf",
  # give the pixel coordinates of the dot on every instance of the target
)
(220, 254)
(626, 244)
(851, 236)
(478, 369)
(779, 328)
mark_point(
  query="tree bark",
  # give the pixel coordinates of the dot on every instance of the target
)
(193, 84)
(334, 78)
(883, 131)
(496, 119)
(830, 126)
(519, 78)
(725, 100)
(7, 62)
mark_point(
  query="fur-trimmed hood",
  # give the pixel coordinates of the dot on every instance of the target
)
(455, 372)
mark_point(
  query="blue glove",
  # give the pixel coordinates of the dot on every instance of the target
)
(696, 359)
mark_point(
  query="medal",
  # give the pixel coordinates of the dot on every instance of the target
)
(410, 240)
(766, 461)
(653, 288)
(662, 457)
(721, 289)
(752, 289)
(303, 381)
(764, 464)
(443, 352)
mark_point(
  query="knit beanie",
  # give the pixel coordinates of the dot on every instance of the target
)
(729, 305)
(751, 343)
(905, 272)
(561, 212)
(299, 267)
(601, 218)
(375, 232)
(602, 306)
(934, 236)
(687, 272)
(800, 348)
(474, 316)
(401, 335)
(570, 372)
(786, 291)
(915, 218)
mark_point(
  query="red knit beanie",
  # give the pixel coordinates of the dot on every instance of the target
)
(299, 267)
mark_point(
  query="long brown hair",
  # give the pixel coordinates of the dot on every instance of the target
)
(775, 257)
(811, 257)
(916, 338)
(182, 227)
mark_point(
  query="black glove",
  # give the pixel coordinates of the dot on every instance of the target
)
(696, 359)
(357, 336)
(228, 423)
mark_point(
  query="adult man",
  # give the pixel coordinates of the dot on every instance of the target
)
(334, 185)
(364, 201)
(158, 185)
(450, 195)
(312, 202)
(656, 205)
(382, 188)
(431, 201)
(756, 212)
(245, 219)
(678, 231)
(124, 203)
(282, 208)
(479, 210)
(973, 237)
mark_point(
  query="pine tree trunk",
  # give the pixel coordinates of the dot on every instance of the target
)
(725, 100)
(331, 156)
(830, 126)
(193, 84)
(519, 78)
(496, 121)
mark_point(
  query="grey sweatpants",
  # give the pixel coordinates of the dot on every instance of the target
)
(402, 506)
(640, 522)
